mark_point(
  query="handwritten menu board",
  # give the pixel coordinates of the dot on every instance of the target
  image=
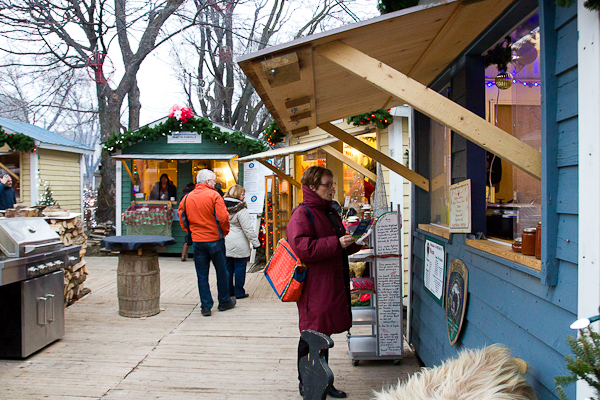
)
(460, 207)
(389, 285)
(435, 260)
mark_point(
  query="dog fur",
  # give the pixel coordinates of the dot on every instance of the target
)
(485, 374)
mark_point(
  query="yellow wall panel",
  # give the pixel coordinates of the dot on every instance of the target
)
(62, 172)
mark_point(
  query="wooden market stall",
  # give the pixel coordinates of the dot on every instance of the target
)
(55, 161)
(432, 59)
(180, 155)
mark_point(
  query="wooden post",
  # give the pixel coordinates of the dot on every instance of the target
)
(435, 106)
(349, 162)
(376, 155)
(8, 171)
(280, 173)
(230, 162)
(128, 171)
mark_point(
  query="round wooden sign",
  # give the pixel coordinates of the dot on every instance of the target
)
(456, 298)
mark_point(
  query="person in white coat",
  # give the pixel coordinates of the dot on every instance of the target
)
(236, 242)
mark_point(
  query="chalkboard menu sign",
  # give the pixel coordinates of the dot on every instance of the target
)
(389, 285)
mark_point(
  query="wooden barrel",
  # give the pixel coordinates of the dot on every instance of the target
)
(138, 284)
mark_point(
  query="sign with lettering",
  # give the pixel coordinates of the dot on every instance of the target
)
(435, 261)
(184, 137)
(460, 207)
(389, 285)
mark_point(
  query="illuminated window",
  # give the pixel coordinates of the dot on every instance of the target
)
(516, 195)
(12, 161)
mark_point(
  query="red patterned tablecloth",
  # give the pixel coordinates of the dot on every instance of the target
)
(148, 215)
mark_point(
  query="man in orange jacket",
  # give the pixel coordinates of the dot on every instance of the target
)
(209, 223)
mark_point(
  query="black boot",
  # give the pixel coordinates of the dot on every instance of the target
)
(338, 394)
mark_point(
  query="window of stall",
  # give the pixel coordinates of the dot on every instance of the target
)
(355, 184)
(147, 174)
(12, 162)
(514, 200)
(221, 168)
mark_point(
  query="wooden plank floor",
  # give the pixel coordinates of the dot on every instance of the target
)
(248, 352)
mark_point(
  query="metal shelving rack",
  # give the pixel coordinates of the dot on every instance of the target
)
(387, 310)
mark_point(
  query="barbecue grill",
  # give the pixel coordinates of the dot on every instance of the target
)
(31, 285)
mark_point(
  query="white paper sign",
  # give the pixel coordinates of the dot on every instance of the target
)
(434, 268)
(184, 137)
(389, 285)
(460, 207)
(254, 183)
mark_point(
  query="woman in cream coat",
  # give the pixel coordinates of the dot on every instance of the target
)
(236, 242)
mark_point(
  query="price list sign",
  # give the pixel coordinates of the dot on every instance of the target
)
(435, 260)
(389, 285)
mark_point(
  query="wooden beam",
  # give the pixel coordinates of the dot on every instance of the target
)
(349, 162)
(230, 162)
(280, 173)
(282, 70)
(297, 102)
(8, 171)
(435, 106)
(300, 116)
(300, 131)
(376, 155)
(128, 171)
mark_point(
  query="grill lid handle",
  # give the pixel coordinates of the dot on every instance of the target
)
(31, 228)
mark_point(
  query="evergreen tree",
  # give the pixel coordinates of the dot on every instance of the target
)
(45, 198)
(585, 365)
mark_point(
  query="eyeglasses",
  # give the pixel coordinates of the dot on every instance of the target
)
(329, 185)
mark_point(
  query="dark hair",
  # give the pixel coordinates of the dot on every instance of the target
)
(166, 176)
(312, 175)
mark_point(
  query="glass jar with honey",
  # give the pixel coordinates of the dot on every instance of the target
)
(528, 240)
(517, 245)
(538, 241)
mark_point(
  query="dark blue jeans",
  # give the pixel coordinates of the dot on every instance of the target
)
(236, 268)
(204, 253)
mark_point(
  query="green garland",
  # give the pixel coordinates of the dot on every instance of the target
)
(17, 141)
(273, 134)
(501, 55)
(203, 126)
(388, 6)
(592, 5)
(382, 118)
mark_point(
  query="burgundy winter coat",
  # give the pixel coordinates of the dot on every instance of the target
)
(325, 302)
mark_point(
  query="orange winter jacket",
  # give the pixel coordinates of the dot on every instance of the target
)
(202, 205)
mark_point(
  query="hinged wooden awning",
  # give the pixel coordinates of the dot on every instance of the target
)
(381, 63)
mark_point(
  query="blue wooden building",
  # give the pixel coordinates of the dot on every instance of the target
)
(542, 131)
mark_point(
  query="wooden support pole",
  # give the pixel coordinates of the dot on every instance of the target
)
(128, 171)
(349, 162)
(280, 173)
(230, 162)
(435, 106)
(8, 171)
(376, 155)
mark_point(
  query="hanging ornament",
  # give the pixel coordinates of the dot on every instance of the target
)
(504, 80)
(220, 6)
(225, 53)
(100, 67)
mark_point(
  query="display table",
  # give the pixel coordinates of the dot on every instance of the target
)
(138, 273)
(149, 218)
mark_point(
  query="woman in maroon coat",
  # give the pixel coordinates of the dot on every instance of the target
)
(317, 236)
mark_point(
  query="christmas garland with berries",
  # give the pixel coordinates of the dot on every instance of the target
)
(201, 126)
(381, 118)
(273, 134)
(17, 141)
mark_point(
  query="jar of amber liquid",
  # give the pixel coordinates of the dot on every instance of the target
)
(517, 245)
(538, 241)
(528, 239)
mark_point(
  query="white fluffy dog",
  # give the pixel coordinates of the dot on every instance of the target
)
(485, 374)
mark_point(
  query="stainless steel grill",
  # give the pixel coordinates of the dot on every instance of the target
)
(31, 285)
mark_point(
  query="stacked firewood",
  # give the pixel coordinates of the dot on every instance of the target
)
(101, 231)
(22, 212)
(71, 231)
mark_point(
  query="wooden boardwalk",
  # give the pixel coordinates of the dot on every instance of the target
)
(248, 352)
